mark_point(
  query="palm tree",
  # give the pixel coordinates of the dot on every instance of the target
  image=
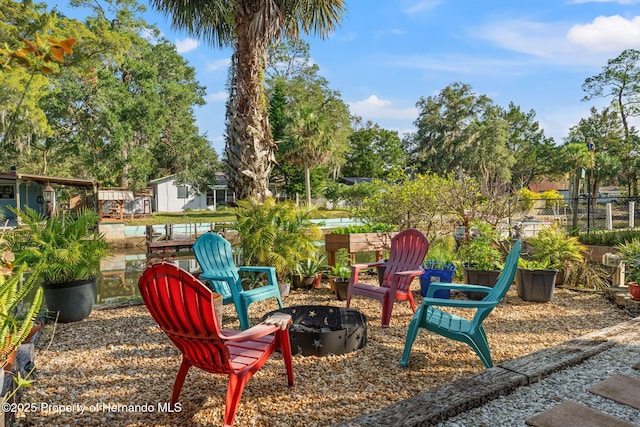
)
(249, 26)
(308, 142)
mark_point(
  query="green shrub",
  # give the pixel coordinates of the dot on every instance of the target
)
(554, 246)
(608, 237)
(552, 198)
(365, 228)
(527, 198)
(276, 234)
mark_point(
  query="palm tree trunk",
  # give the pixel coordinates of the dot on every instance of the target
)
(307, 183)
(249, 146)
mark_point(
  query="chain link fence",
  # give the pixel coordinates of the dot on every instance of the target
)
(584, 213)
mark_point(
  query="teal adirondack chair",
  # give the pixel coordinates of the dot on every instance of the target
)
(458, 328)
(215, 257)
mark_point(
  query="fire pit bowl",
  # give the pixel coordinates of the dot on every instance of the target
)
(321, 330)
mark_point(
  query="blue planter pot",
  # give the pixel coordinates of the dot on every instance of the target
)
(433, 274)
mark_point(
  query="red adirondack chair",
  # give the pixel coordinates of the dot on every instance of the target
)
(408, 249)
(182, 306)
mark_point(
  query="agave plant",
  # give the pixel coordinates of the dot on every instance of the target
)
(310, 267)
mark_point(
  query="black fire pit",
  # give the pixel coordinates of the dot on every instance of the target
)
(320, 330)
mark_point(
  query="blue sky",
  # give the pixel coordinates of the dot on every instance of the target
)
(389, 53)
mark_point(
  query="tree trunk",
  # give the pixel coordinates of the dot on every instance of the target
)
(124, 177)
(249, 144)
(307, 184)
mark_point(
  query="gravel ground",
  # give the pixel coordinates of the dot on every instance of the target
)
(118, 358)
(569, 384)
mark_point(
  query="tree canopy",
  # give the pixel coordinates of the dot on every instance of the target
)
(120, 110)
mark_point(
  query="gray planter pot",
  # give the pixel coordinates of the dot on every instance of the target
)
(536, 285)
(70, 301)
(480, 277)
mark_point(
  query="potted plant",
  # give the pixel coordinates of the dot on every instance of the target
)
(68, 249)
(482, 261)
(341, 274)
(535, 280)
(560, 251)
(439, 265)
(306, 274)
(629, 253)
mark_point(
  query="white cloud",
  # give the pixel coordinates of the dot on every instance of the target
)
(216, 97)
(421, 6)
(218, 64)
(561, 43)
(541, 39)
(393, 32)
(376, 108)
(607, 34)
(186, 45)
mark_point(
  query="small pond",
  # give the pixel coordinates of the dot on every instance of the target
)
(119, 272)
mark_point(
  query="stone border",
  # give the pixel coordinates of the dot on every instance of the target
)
(448, 400)
(25, 362)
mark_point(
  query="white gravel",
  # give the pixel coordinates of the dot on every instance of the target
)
(569, 384)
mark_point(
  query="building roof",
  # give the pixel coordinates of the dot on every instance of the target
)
(75, 182)
(115, 194)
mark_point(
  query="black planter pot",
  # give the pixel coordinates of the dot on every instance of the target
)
(536, 285)
(70, 301)
(479, 277)
(304, 282)
(341, 287)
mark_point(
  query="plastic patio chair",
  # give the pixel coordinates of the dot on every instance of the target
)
(459, 328)
(215, 257)
(408, 249)
(182, 307)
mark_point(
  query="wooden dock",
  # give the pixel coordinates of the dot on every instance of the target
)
(169, 245)
(169, 242)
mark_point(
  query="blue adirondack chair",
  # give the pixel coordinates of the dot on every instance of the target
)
(215, 257)
(459, 328)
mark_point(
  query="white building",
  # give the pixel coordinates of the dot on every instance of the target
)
(169, 196)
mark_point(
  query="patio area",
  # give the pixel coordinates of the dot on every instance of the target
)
(119, 367)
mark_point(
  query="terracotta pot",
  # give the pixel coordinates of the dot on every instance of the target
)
(634, 290)
(34, 329)
(8, 364)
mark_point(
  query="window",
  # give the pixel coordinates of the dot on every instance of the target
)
(8, 192)
(183, 192)
(221, 197)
